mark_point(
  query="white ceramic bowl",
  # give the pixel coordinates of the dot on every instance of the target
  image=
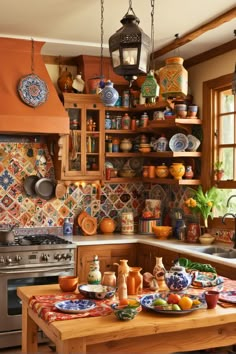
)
(206, 240)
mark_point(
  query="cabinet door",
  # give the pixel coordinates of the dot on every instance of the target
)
(85, 257)
(82, 151)
(146, 257)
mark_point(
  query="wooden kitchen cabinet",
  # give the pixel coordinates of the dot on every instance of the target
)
(146, 257)
(81, 154)
(107, 255)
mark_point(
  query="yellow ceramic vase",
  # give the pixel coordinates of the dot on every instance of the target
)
(162, 171)
(177, 170)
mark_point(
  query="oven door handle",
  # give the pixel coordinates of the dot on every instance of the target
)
(37, 270)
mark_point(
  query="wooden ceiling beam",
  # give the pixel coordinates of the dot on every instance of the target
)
(209, 54)
(226, 17)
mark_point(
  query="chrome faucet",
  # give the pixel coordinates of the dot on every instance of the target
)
(232, 196)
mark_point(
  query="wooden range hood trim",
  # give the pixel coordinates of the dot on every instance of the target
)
(15, 115)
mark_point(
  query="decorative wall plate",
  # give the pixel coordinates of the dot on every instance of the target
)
(32, 90)
(178, 142)
(75, 306)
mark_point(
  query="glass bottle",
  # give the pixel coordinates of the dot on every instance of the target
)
(126, 122)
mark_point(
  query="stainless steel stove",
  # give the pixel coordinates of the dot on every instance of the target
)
(30, 260)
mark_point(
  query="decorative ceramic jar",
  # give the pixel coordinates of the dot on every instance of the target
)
(162, 171)
(94, 275)
(65, 81)
(109, 95)
(177, 279)
(188, 172)
(145, 171)
(127, 223)
(123, 267)
(192, 111)
(173, 78)
(134, 281)
(109, 279)
(126, 122)
(78, 84)
(159, 272)
(125, 145)
(107, 226)
(193, 232)
(177, 170)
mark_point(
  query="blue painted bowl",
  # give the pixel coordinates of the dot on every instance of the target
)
(97, 291)
(126, 312)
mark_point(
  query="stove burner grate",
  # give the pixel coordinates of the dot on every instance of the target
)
(43, 239)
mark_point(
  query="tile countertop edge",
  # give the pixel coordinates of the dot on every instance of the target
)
(171, 245)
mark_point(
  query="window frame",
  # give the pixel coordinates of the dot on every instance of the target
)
(209, 148)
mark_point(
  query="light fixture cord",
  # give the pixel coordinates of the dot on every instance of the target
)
(152, 33)
(102, 34)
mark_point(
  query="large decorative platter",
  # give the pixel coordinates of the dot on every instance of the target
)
(193, 143)
(228, 296)
(147, 302)
(75, 306)
(32, 90)
(178, 142)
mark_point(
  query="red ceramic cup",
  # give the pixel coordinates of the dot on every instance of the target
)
(211, 297)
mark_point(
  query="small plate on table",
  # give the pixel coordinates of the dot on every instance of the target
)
(147, 302)
(75, 306)
(228, 296)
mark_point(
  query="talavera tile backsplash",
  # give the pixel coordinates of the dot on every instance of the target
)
(25, 156)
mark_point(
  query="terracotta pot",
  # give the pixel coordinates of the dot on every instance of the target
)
(107, 226)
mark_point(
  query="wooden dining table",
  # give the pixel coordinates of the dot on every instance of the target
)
(148, 332)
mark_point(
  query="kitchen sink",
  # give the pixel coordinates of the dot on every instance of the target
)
(218, 251)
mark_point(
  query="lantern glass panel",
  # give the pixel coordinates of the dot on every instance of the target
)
(130, 56)
(116, 58)
(144, 55)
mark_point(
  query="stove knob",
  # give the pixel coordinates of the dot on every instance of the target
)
(8, 260)
(45, 257)
(2, 259)
(68, 256)
(18, 258)
(58, 256)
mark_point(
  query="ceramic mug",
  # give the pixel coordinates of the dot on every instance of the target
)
(211, 297)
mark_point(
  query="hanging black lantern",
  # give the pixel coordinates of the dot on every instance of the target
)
(130, 48)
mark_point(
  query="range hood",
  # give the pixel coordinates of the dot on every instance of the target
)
(15, 115)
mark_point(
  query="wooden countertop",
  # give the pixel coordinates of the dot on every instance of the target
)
(171, 244)
(148, 332)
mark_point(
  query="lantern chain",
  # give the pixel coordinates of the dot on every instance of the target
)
(32, 55)
(152, 33)
(102, 35)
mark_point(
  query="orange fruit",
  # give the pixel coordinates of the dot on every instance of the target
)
(185, 303)
(123, 302)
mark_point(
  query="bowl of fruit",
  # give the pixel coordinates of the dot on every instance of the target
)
(127, 311)
(172, 303)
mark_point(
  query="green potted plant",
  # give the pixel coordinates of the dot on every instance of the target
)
(218, 170)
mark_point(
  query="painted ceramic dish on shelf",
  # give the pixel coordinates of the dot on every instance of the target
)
(32, 90)
(149, 301)
(193, 143)
(89, 225)
(97, 291)
(75, 306)
(178, 142)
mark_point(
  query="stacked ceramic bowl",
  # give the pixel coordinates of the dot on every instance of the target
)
(144, 148)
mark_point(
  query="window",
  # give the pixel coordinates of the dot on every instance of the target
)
(219, 143)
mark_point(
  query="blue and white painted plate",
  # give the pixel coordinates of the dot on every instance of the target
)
(75, 306)
(147, 302)
(32, 90)
(178, 142)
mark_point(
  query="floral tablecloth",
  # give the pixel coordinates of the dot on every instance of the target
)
(44, 305)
